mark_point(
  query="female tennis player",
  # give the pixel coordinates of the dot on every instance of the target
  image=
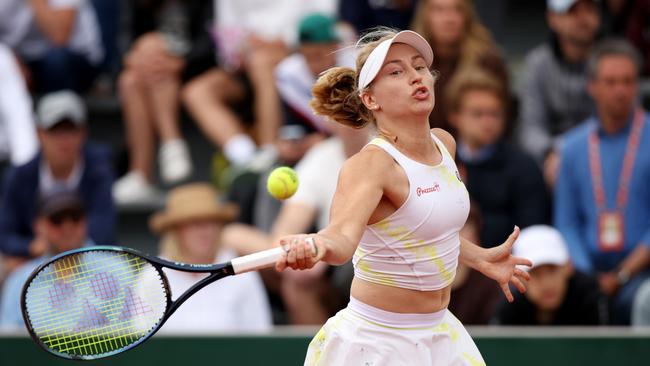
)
(397, 212)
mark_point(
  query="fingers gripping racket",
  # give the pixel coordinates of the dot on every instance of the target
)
(95, 302)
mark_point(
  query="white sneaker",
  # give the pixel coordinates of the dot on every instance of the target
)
(134, 189)
(174, 161)
(263, 159)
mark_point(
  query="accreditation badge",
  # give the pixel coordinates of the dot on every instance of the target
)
(610, 231)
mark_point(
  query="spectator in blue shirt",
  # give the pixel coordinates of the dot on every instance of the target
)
(61, 222)
(602, 198)
(66, 162)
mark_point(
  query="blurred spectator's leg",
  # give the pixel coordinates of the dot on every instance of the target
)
(267, 106)
(624, 299)
(61, 69)
(175, 164)
(641, 309)
(138, 120)
(206, 98)
(136, 185)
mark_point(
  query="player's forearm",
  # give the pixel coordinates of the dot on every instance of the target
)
(339, 249)
(471, 254)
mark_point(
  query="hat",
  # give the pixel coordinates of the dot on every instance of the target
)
(59, 201)
(190, 202)
(317, 28)
(561, 6)
(375, 60)
(541, 244)
(58, 106)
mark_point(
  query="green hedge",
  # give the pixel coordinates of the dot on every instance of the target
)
(520, 347)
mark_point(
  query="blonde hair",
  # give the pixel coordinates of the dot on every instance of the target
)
(470, 80)
(476, 42)
(335, 94)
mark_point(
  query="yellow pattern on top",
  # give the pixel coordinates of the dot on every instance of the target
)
(473, 361)
(378, 277)
(418, 247)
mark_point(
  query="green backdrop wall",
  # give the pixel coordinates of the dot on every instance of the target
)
(520, 347)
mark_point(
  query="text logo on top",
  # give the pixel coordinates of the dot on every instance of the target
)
(420, 191)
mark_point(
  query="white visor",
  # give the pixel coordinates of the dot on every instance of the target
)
(375, 60)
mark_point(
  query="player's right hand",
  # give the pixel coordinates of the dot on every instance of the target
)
(301, 252)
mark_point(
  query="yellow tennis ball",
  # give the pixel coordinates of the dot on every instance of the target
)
(282, 183)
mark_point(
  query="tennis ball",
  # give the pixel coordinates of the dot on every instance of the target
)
(282, 183)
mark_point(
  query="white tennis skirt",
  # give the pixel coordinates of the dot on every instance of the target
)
(362, 335)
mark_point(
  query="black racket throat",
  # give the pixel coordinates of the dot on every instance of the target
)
(216, 272)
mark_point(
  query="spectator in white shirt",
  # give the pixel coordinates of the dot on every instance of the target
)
(18, 142)
(191, 225)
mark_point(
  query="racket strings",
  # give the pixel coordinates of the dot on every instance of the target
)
(96, 302)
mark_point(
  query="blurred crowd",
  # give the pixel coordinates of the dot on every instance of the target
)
(564, 152)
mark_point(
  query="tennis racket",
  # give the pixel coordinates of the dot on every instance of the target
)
(95, 302)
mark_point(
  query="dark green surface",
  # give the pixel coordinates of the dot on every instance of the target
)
(289, 350)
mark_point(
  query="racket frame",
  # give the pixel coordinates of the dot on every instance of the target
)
(216, 272)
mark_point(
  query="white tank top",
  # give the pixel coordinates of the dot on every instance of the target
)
(417, 246)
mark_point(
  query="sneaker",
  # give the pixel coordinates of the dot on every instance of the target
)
(134, 189)
(174, 160)
(263, 159)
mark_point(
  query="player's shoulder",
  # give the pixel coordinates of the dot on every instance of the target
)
(447, 139)
(371, 156)
(372, 161)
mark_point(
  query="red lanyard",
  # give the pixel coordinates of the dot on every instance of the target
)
(628, 164)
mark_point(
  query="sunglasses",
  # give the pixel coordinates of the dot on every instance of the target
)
(60, 217)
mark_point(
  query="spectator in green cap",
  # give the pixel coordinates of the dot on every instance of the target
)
(319, 49)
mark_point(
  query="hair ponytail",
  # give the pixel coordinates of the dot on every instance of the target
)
(335, 96)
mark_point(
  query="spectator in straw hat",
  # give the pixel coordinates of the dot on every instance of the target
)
(191, 227)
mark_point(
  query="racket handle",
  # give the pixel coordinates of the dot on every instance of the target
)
(265, 258)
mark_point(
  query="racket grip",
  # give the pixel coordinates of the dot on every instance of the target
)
(265, 258)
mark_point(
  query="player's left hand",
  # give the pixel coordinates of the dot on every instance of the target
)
(499, 264)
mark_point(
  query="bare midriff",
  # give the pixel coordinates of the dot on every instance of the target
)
(400, 300)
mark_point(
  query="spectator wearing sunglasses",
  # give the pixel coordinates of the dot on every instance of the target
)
(65, 162)
(60, 225)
